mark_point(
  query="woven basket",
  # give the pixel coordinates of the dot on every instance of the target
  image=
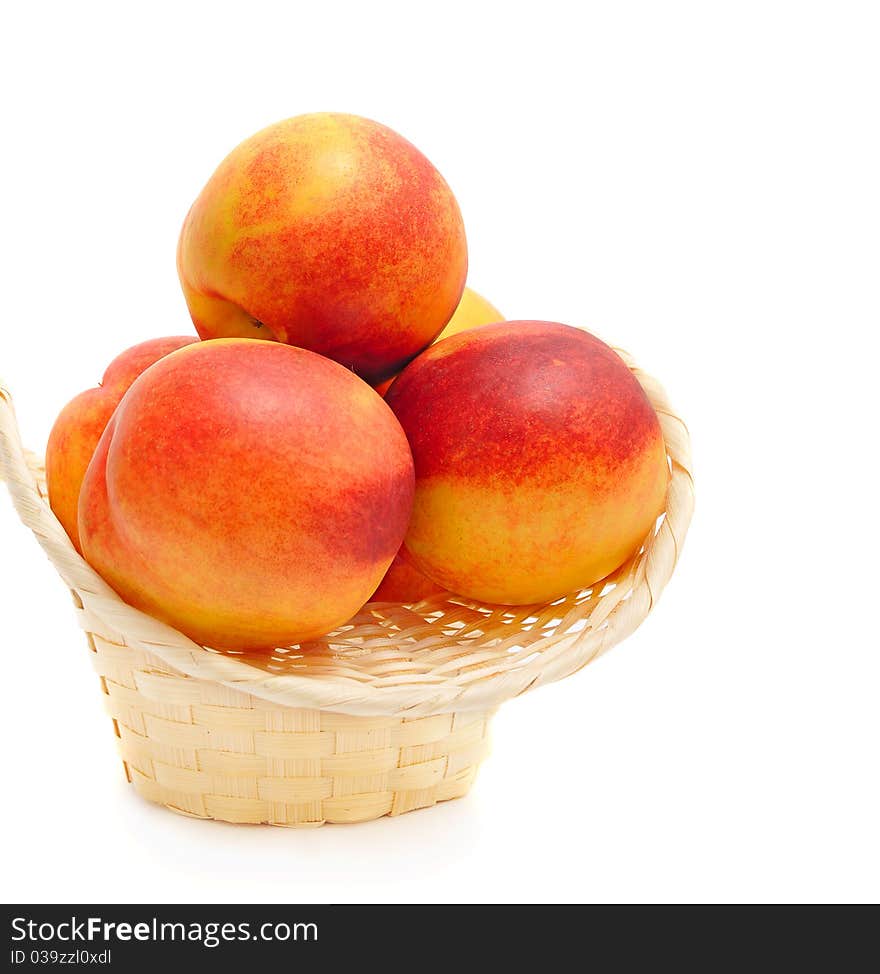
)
(385, 715)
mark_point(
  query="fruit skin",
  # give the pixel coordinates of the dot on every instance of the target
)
(403, 582)
(473, 311)
(540, 463)
(80, 424)
(249, 493)
(330, 232)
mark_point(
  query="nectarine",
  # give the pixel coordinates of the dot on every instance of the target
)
(330, 232)
(540, 463)
(250, 493)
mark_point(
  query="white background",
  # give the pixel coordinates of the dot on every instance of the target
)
(695, 182)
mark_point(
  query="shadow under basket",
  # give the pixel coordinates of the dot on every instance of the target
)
(388, 714)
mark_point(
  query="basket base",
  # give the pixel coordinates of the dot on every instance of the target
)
(356, 811)
(206, 751)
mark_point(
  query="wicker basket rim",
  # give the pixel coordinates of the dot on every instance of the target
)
(441, 655)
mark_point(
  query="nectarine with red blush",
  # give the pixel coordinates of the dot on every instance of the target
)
(540, 463)
(330, 232)
(249, 493)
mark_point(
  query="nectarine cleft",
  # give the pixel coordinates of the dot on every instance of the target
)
(540, 463)
(80, 424)
(330, 232)
(249, 493)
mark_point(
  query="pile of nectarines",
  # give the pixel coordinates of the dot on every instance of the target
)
(255, 489)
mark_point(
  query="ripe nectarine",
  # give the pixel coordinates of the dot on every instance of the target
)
(330, 232)
(250, 493)
(540, 463)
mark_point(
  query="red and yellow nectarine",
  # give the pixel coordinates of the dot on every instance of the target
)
(250, 493)
(330, 232)
(540, 463)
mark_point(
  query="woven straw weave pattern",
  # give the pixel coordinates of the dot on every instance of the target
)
(211, 752)
(386, 714)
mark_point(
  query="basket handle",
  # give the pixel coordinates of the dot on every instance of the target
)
(34, 510)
